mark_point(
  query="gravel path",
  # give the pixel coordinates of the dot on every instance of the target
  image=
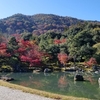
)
(12, 94)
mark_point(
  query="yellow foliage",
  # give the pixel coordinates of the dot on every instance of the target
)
(97, 46)
(33, 42)
(6, 67)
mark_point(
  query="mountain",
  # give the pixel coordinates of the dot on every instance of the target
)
(36, 24)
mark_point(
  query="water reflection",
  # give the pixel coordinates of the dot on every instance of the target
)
(90, 79)
(61, 83)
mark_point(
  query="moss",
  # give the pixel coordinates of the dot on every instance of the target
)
(6, 68)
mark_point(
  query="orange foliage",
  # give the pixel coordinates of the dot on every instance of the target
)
(91, 62)
(57, 41)
(63, 58)
(62, 82)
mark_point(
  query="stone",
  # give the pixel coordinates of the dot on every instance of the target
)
(99, 82)
(5, 78)
(47, 70)
(78, 78)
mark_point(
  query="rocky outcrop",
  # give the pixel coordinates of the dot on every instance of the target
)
(78, 77)
(5, 78)
(99, 82)
(47, 70)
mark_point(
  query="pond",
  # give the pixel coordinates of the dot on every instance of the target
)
(60, 83)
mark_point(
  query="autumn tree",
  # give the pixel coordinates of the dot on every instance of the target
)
(59, 41)
(63, 58)
(29, 52)
(3, 50)
(92, 61)
(3, 45)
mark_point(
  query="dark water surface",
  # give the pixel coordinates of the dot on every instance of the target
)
(60, 83)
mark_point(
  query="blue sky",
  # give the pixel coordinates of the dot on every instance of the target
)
(81, 9)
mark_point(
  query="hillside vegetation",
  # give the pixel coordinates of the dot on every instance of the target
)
(37, 24)
(48, 40)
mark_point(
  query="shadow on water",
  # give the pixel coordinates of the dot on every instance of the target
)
(60, 83)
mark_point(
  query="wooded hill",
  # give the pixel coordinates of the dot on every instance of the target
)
(37, 24)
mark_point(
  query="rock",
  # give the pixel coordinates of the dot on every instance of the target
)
(78, 78)
(5, 78)
(96, 72)
(95, 68)
(99, 82)
(47, 70)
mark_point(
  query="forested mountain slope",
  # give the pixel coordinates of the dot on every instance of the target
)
(37, 24)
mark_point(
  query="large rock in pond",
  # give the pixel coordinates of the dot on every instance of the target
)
(5, 78)
(78, 78)
(47, 70)
(99, 82)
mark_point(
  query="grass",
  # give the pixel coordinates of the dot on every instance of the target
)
(38, 92)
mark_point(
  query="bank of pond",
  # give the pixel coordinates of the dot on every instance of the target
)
(60, 83)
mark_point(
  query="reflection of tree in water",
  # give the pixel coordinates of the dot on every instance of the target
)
(98, 95)
(32, 82)
(90, 79)
(85, 88)
(62, 82)
(38, 83)
(98, 90)
(24, 83)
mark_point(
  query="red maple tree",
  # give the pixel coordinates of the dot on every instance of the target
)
(3, 50)
(92, 61)
(29, 52)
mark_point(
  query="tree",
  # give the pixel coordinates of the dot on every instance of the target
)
(92, 61)
(63, 58)
(59, 41)
(12, 46)
(3, 50)
(29, 53)
(81, 44)
(96, 35)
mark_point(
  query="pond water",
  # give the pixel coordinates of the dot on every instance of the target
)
(60, 83)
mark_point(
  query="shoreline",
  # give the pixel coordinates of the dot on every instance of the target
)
(50, 96)
(7, 93)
